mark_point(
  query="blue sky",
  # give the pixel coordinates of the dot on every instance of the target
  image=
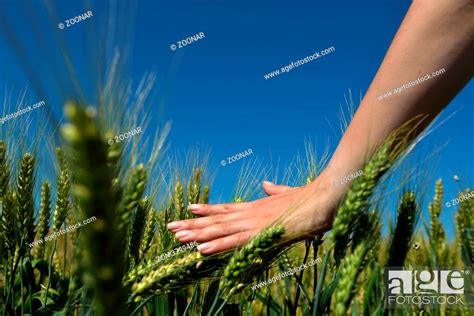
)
(214, 91)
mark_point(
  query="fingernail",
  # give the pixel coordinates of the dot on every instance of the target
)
(194, 207)
(174, 225)
(183, 234)
(204, 247)
(268, 182)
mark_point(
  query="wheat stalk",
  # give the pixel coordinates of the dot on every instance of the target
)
(4, 170)
(435, 207)
(93, 188)
(179, 200)
(43, 224)
(348, 276)
(148, 231)
(136, 231)
(8, 224)
(357, 199)
(62, 203)
(24, 200)
(251, 254)
(205, 195)
(160, 278)
(399, 246)
(465, 229)
(133, 194)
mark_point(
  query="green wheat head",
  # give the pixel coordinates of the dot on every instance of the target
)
(101, 259)
(235, 273)
(357, 199)
(179, 200)
(164, 277)
(148, 231)
(137, 228)
(132, 195)
(62, 203)
(25, 200)
(349, 272)
(8, 223)
(4, 169)
(194, 187)
(399, 246)
(465, 229)
(166, 237)
(44, 215)
(205, 195)
(436, 230)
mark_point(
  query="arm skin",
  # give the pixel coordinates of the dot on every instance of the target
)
(434, 34)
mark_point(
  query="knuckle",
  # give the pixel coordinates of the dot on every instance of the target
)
(197, 235)
(217, 219)
(243, 238)
(225, 227)
(191, 223)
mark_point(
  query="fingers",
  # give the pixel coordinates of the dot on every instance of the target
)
(213, 232)
(225, 243)
(214, 209)
(201, 222)
(273, 189)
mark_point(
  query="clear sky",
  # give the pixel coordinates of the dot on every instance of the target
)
(214, 90)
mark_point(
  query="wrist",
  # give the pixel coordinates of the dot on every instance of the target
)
(328, 184)
(323, 200)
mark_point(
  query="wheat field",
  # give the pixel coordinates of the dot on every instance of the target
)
(126, 262)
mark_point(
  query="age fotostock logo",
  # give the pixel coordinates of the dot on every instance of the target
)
(407, 288)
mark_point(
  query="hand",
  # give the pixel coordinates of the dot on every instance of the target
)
(303, 211)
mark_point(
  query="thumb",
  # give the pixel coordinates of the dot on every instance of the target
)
(273, 189)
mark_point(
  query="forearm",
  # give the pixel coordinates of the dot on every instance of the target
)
(435, 34)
